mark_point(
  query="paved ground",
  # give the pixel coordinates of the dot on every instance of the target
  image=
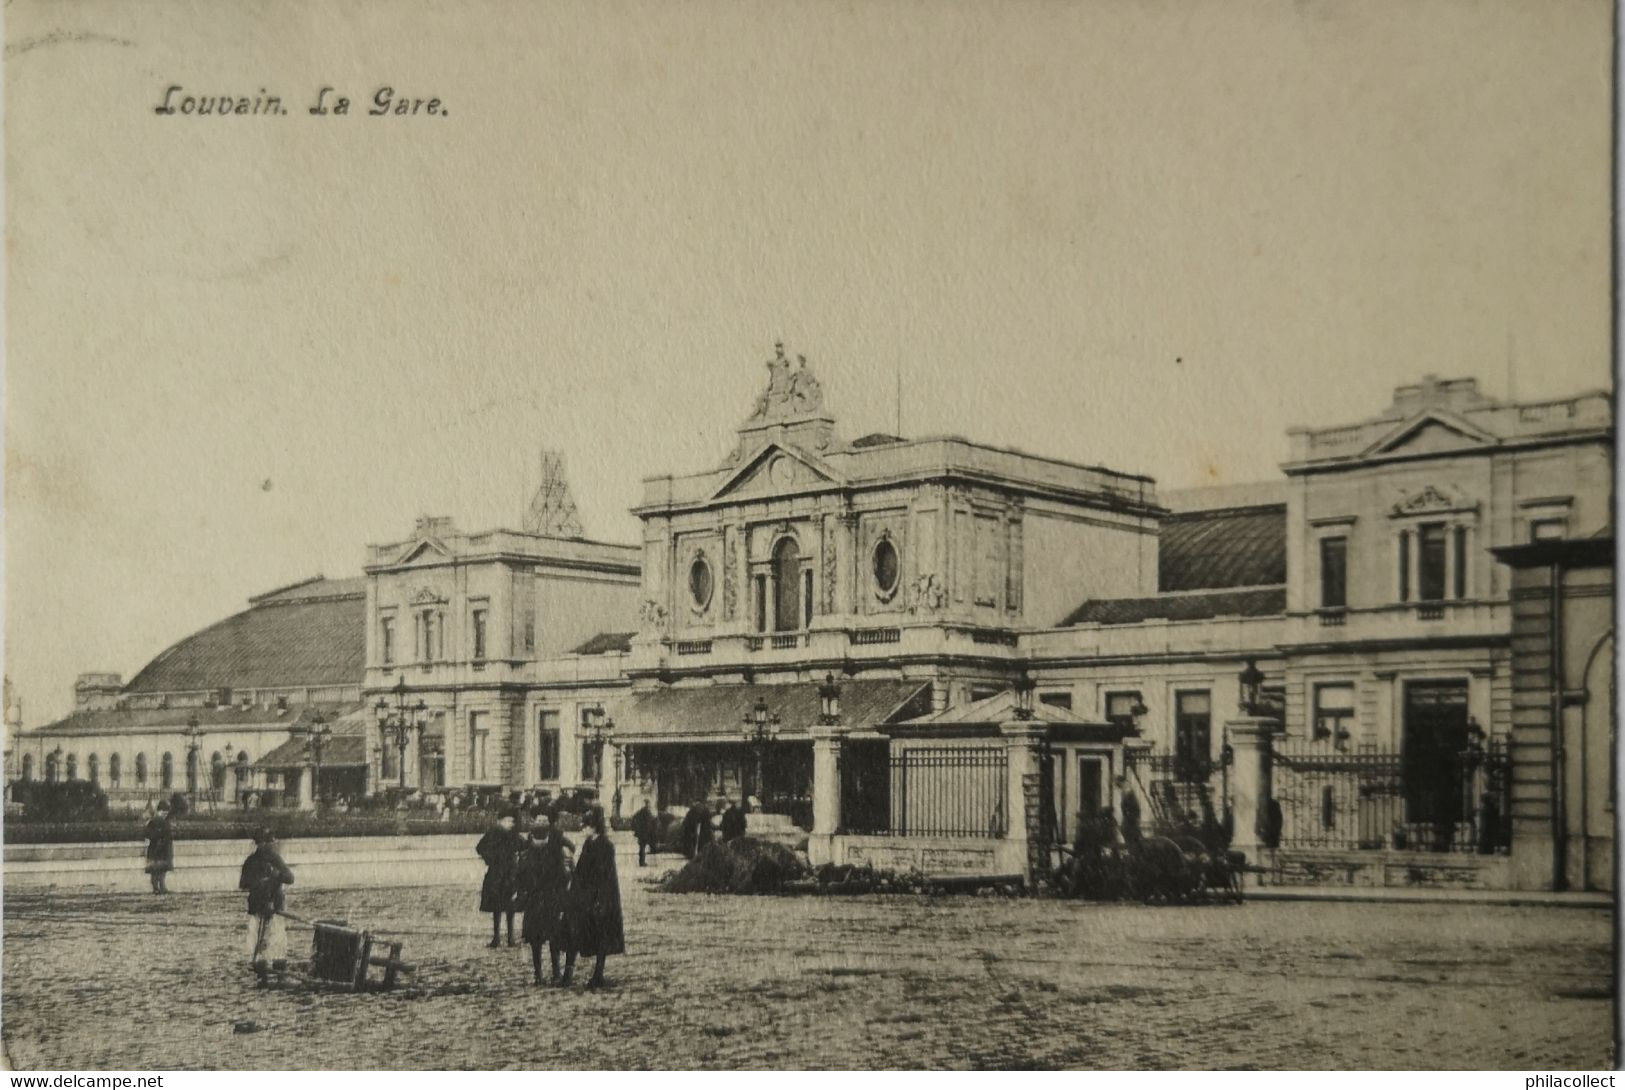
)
(131, 981)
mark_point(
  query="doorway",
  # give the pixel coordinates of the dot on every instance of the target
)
(1431, 760)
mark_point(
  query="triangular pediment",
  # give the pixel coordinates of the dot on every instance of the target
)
(778, 468)
(1429, 433)
(423, 550)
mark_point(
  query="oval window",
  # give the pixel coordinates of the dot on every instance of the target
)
(699, 583)
(886, 567)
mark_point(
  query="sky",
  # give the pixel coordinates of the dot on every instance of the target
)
(1137, 233)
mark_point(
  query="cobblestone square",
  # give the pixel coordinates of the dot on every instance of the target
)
(129, 981)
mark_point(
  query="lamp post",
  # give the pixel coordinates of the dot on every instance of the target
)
(1024, 686)
(600, 734)
(239, 771)
(761, 727)
(194, 742)
(398, 724)
(829, 702)
(315, 735)
(1252, 680)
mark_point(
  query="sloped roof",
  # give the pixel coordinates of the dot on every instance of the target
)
(606, 642)
(713, 712)
(1233, 547)
(998, 708)
(310, 634)
(150, 720)
(1247, 602)
(341, 751)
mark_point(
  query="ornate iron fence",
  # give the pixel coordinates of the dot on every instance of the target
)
(1323, 798)
(1179, 792)
(951, 791)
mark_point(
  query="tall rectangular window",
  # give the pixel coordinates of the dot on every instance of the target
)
(1404, 565)
(479, 634)
(430, 628)
(1459, 541)
(1334, 713)
(1193, 734)
(478, 745)
(547, 745)
(761, 603)
(1120, 708)
(1430, 562)
(386, 640)
(1334, 572)
(806, 598)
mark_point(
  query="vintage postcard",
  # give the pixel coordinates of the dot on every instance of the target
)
(789, 535)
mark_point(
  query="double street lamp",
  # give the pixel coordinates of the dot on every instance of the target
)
(398, 723)
(600, 735)
(315, 735)
(761, 728)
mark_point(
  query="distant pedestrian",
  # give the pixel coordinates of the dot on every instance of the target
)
(262, 878)
(594, 906)
(160, 848)
(646, 828)
(543, 884)
(696, 831)
(733, 822)
(1129, 804)
(499, 848)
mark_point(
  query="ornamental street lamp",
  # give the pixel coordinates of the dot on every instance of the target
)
(1252, 680)
(194, 742)
(315, 736)
(761, 727)
(1024, 687)
(397, 725)
(599, 734)
(829, 702)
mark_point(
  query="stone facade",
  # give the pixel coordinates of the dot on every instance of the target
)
(479, 628)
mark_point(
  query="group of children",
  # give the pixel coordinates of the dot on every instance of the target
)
(571, 899)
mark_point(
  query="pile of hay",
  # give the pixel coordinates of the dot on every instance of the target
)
(746, 865)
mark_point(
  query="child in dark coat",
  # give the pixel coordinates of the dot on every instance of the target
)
(594, 905)
(160, 848)
(500, 848)
(543, 882)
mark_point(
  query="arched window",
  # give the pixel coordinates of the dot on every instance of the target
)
(28, 767)
(217, 772)
(786, 586)
(53, 767)
(141, 770)
(115, 769)
(73, 766)
(93, 768)
(166, 772)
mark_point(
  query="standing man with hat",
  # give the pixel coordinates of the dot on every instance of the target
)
(263, 876)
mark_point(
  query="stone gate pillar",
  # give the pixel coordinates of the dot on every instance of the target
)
(1022, 738)
(826, 793)
(1250, 739)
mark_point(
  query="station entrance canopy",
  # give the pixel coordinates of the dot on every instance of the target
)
(714, 713)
